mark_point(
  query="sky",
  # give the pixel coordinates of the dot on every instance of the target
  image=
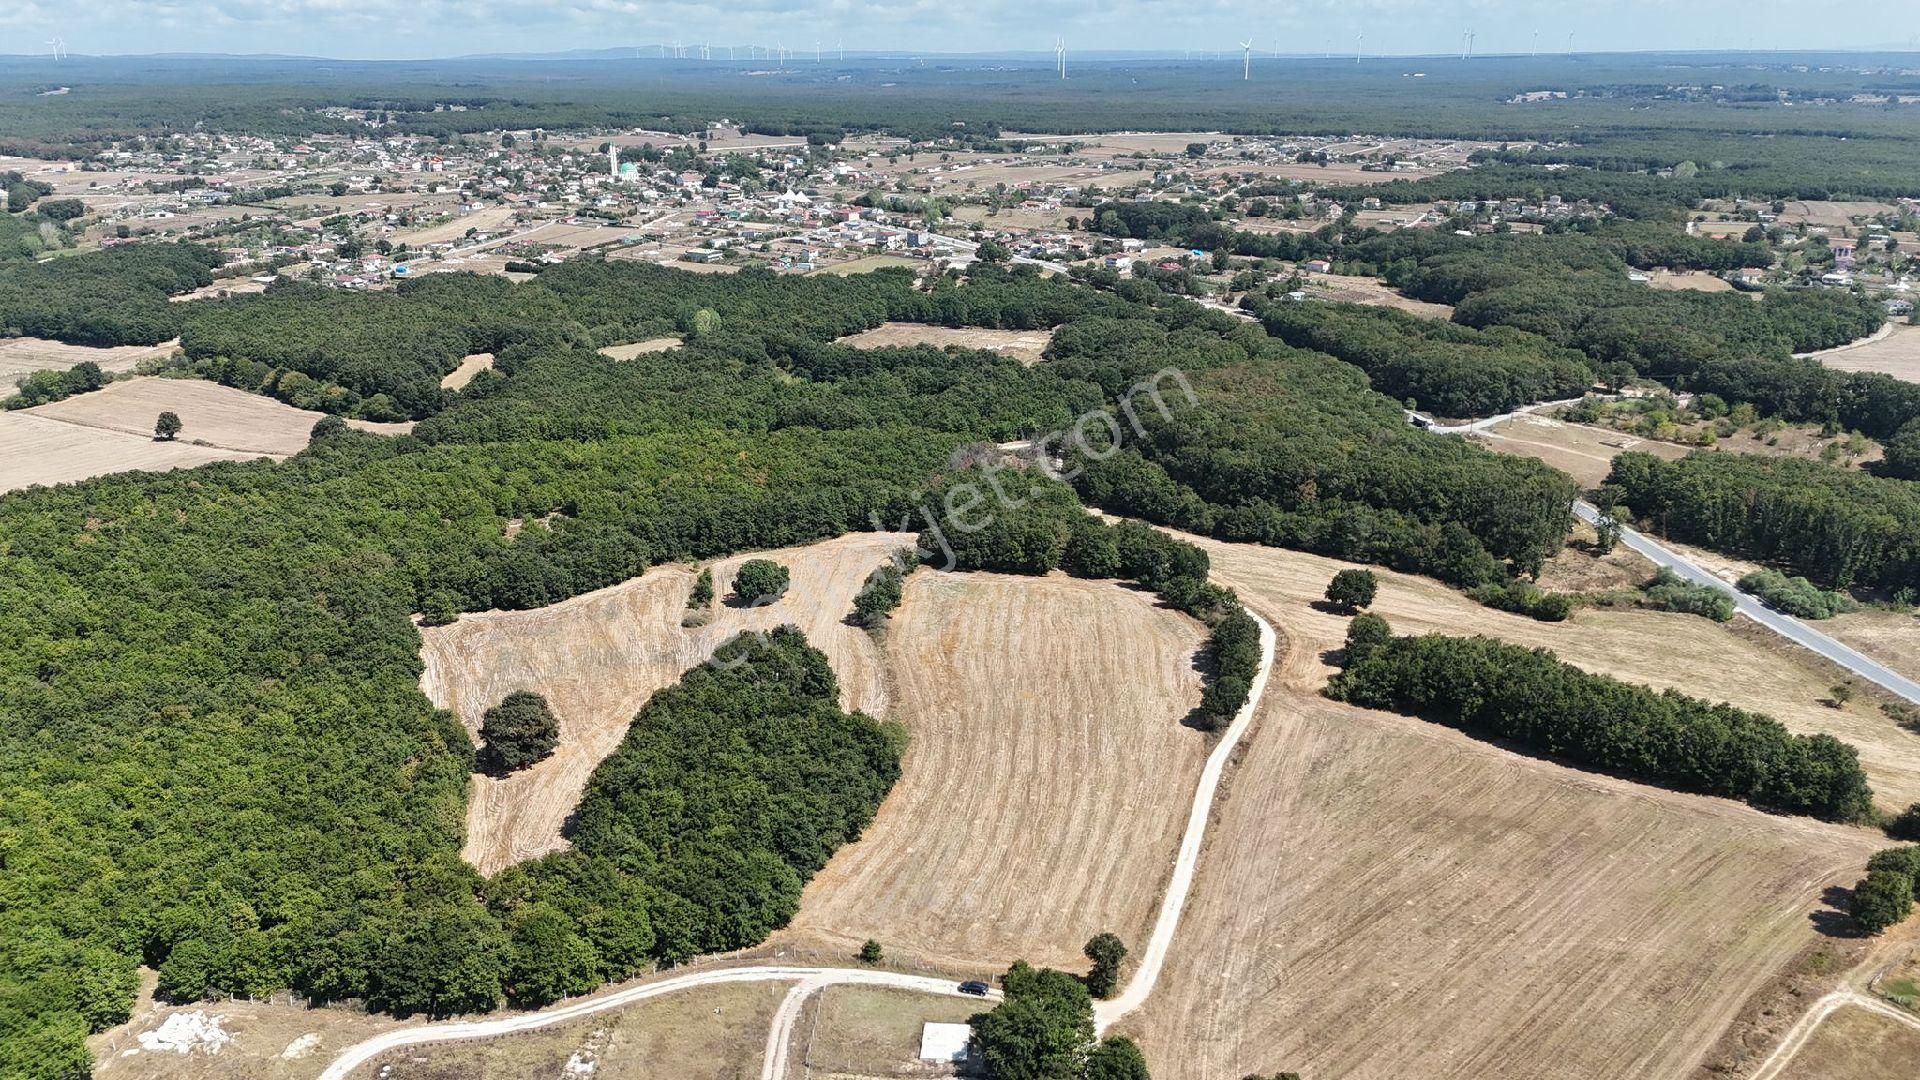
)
(394, 29)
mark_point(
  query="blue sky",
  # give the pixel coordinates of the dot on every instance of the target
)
(426, 28)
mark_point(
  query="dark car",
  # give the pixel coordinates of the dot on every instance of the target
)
(974, 987)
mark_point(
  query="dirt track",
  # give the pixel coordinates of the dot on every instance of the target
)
(599, 657)
(1046, 784)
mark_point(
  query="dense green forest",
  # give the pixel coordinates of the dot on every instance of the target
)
(1450, 369)
(1282, 447)
(113, 297)
(1530, 699)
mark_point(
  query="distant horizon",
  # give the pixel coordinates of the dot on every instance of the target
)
(420, 30)
(652, 52)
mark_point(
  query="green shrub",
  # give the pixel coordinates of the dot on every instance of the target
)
(1669, 591)
(1795, 595)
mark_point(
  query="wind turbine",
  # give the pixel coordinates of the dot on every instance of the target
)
(1060, 56)
(1359, 46)
(1246, 60)
(816, 50)
(1536, 43)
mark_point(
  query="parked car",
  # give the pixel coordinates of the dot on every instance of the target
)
(974, 987)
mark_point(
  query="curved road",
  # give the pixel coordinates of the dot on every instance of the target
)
(813, 977)
(774, 1063)
(1785, 625)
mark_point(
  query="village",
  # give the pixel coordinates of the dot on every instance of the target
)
(368, 212)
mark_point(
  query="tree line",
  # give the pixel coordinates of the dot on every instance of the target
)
(1530, 698)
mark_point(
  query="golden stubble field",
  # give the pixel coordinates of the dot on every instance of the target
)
(1045, 786)
(598, 657)
(111, 430)
(1383, 897)
(21, 356)
(1026, 346)
(1895, 352)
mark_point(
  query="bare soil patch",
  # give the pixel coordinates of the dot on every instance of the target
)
(268, 1041)
(1045, 788)
(1658, 649)
(640, 348)
(487, 219)
(219, 416)
(471, 365)
(865, 263)
(21, 356)
(1695, 280)
(704, 1033)
(598, 657)
(1026, 346)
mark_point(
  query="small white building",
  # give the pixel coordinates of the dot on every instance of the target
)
(946, 1043)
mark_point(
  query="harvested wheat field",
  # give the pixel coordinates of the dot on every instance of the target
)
(36, 450)
(1856, 1044)
(639, 348)
(598, 657)
(1045, 785)
(1382, 897)
(1026, 346)
(218, 416)
(21, 356)
(703, 1033)
(1659, 649)
(470, 365)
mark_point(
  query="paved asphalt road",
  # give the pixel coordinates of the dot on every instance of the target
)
(1785, 625)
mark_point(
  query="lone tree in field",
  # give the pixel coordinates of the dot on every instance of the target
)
(167, 427)
(1881, 899)
(759, 582)
(518, 732)
(870, 953)
(1351, 590)
(1107, 952)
